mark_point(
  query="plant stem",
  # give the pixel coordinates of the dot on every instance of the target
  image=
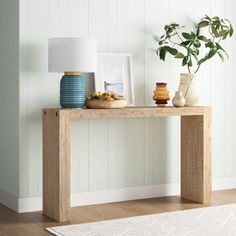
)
(187, 89)
(178, 35)
(197, 69)
(174, 42)
(189, 71)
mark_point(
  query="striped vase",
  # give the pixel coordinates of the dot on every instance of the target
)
(72, 91)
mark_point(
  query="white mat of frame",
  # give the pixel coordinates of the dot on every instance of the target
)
(210, 221)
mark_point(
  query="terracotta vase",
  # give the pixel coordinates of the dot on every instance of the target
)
(161, 94)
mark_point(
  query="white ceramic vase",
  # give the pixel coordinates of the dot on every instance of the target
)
(189, 87)
(178, 100)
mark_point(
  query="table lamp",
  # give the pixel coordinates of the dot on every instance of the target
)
(72, 56)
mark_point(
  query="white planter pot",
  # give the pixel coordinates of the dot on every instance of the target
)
(189, 87)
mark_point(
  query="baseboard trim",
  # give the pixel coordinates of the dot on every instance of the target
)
(223, 184)
(111, 195)
(9, 200)
(30, 204)
(125, 194)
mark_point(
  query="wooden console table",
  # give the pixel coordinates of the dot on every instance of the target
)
(195, 152)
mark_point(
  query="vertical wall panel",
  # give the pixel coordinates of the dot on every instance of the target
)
(98, 23)
(112, 24)
(33, 105)
(135, 37)
(78, 18)
(230, 95)
(9, 97)
(98, 154)
(117, 153)
(121, 17)
(79, 138)
(217, 93)
(23, 161)
(155, 150)
(43, 76)
(135, 166)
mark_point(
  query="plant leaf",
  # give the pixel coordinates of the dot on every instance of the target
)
(203, 24)
(210, 45)
(207, 17)
(215, 18)
(185, 61)
(203, 38)
(201, 61)
(231, 31)
(185, 43)
(225, 35)
(179, 55)
(197, 44)
(211, 53)
(187, 35)
(197, 51)
(190, 63)
(172, 51)
(221, 56)
(222, 49)
(214, 31)
(162, 54)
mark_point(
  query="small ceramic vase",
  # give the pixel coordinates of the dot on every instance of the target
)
(161, 94)
(178, 100)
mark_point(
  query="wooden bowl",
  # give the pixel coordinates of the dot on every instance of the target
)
(102, 104)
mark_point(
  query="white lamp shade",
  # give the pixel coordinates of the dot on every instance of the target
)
(72, 54)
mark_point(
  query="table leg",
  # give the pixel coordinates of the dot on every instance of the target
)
(56, 165)
(196, 158)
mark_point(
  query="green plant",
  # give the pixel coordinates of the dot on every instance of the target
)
(192, 42)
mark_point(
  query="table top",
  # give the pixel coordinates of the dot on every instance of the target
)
(129, 112)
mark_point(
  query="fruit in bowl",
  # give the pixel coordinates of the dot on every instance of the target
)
(105, 100)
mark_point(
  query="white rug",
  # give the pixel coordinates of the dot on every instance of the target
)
(211, 221)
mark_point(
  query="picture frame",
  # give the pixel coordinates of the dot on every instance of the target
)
(114, 74)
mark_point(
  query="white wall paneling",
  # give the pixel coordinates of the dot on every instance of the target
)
(117, 140)
(119, 153)
(218, 73)
(229, 100)
(9, 102)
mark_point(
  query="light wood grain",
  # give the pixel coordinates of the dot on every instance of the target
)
(196, 157)
(130, 112)
(195, 152)
(28, 224)
(56, 165)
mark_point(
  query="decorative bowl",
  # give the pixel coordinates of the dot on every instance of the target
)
(103, 104)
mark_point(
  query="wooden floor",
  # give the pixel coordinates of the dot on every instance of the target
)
(13, 224)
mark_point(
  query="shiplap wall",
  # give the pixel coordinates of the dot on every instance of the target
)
(9, 94)
(118, 152)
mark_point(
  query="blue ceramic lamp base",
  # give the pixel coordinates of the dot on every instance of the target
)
(72, 90)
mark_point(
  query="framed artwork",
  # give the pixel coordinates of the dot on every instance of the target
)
(114, 74)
